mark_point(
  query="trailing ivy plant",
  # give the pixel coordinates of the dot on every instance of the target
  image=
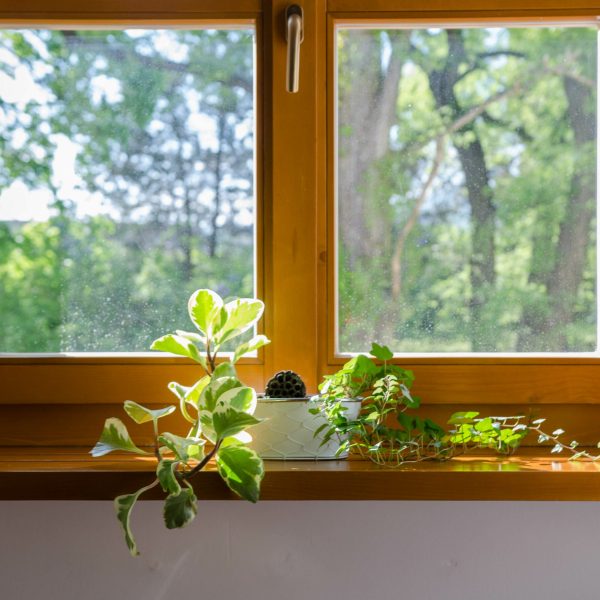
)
(218, 407)
(388, 432)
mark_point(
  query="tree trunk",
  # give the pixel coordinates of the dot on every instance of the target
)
(367, 113)
(483, 212)
(547, 332)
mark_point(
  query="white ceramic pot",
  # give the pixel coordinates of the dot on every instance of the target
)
(288, 430)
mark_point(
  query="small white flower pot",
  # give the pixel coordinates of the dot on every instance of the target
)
(288, 430)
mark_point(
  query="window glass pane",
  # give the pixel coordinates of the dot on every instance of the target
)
(126, 182)
(466, 189)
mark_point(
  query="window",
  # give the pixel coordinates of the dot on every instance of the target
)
(298, 186)
(466, 188)
(128, 167)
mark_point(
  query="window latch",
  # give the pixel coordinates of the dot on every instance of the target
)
(294, 35)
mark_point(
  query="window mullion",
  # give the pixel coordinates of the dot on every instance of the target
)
(292, 189)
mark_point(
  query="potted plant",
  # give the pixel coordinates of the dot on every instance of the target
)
(292, 428)
(389, 431)
(218, 408)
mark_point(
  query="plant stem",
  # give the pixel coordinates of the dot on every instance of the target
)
(156, 449)
(203, 462)
(210, 357)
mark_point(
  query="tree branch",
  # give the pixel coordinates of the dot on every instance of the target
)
(396, 266)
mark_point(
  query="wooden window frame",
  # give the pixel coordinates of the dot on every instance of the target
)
(564, 388)
(295, 224)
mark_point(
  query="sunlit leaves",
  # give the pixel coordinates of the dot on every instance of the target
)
(241, 315)
(255, 343)
(182, 448)
(222, 411)
(181, 346)
(242, 470)
(228, 421)
(204, 308)
(141, 414)
(381, 352)
(114, 437)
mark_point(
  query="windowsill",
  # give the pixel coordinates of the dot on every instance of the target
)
(71, 474)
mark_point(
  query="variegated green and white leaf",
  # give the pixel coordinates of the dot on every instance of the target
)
(204, 308)
(182, 448)
(242, 314)
(114, 436)
(165, 471)
(258, 341)
(180, 509)
(140, 414)
(181, 391)
(212, 392)
(242, 399)
(224, 369)
(242, 470)
(180, 346)
(228, 422)
(123, 507)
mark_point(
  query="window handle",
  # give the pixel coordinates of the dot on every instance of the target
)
(294, 35)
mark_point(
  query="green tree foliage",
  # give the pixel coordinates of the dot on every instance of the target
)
(161, 124)
(467, 189)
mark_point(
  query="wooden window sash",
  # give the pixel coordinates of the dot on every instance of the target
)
(565, 387)
(294, 141)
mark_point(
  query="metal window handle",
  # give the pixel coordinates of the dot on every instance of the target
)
(294, 35)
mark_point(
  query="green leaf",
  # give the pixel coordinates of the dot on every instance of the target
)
(123, 507)
(114, 437)
(463, 417)
(228, 422)
(484, 425)
(242, 470)
(381, 352)
(239, 398)
(165, 471)
(204, 308)
(178, 345)
(215, 389)
(224, 369)
(255, 343)
(242, 314)
(193, 337)
(180, 509)
(140, 414)
(193, 393)
(182, 448)
(409, 400)
(181, 392)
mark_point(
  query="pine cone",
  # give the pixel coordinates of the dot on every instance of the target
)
(285, 384)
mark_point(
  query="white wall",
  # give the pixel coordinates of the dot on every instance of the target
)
(304, 550)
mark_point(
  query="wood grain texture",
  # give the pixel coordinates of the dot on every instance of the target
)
(80, 425)
(126, 8)
(70, 474)
(79, 382)
(416, 6)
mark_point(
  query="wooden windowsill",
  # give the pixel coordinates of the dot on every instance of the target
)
(71, 474)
